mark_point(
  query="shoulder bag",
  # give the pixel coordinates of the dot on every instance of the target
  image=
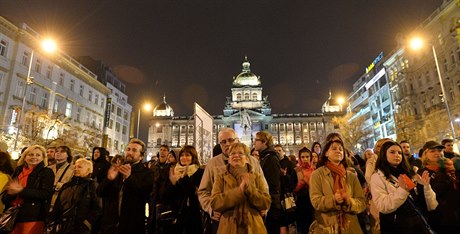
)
(8, 218)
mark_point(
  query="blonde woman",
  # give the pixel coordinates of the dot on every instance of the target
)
(446, 184)
(31, 188)
(77, 207)
(240, 194)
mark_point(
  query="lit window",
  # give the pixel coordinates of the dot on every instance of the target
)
(68, 109)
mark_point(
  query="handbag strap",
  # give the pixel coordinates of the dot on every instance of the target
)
(419, 213)
(63, 173)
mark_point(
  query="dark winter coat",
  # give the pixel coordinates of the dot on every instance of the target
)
(77, 207)
(36, 195)
(100, 165)
(446, 217)
(270, 165)
(135, 194)
(183, 200)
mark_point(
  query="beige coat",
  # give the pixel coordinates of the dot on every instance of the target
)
(58, 183)
(327, 210)
(226, 195)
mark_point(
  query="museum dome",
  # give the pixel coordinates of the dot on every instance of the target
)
(163, 109)
(246, 77)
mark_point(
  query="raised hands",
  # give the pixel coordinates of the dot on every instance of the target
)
(245, 180)
(125, 170)
(14, 187)
(424, 179)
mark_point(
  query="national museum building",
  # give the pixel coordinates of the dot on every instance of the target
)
(248, 112)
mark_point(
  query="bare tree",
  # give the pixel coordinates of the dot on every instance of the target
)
(353, 131)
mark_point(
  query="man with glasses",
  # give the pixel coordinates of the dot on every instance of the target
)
(269, 161)
(216, 166)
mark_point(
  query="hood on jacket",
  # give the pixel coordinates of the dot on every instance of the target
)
(103, 152)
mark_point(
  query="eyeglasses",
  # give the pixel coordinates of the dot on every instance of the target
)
(229, 140)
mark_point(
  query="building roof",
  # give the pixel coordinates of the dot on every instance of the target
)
(163, 109)
(246, 77)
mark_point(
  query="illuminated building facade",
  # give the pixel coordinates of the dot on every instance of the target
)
(247, 111)
(63, 90)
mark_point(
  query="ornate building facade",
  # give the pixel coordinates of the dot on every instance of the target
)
(247, 111)
(60, 98)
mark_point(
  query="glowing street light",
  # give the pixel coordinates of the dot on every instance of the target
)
(417, 43)
(146, 107)
(340, 100)
(48, 46)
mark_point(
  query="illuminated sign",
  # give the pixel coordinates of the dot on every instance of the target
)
(375, 78)
(376, 60)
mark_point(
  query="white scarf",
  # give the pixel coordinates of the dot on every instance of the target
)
(191, 169)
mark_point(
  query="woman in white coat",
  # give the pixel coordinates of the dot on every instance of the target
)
(401, 196)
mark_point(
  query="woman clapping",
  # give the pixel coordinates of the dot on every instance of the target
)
(399, 194)
(240, 195)
(335, 193)
(31, 189)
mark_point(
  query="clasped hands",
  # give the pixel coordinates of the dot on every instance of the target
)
(245, 180)
(124, 169)
(342, 196)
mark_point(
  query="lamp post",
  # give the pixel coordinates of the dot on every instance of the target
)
(48, 46)
(417, 44)
(146, 107)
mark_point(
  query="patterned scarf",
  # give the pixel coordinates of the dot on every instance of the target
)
(338, 173)
(446, 164)
(191, 169)
(240, 214)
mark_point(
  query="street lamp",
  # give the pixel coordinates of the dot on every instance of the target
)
(48, 46)
(146, 107)
(340, 100)
(416, 44)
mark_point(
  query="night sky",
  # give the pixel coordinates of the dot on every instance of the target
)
(189, 50)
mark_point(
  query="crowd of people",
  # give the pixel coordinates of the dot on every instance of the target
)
(323, 189)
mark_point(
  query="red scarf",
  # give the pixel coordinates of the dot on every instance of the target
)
(338, 173)
(22, 179)
(304, 165)
(448, 165)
